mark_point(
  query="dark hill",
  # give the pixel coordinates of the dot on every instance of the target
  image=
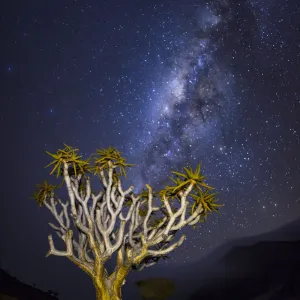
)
(252, 271)
(244, 268)
(12, 288)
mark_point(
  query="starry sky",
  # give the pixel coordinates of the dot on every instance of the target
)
(169, 84)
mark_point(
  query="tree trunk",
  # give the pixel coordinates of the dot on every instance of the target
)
(107, 291)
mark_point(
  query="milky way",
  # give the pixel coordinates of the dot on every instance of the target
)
(196, 113)
(193, 101)
(168, 83)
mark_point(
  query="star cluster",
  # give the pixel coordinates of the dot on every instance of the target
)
(205, 108)
(170, 84)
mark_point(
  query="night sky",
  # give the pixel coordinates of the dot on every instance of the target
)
(169, 84)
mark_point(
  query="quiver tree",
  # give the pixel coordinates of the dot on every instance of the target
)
(139, 228)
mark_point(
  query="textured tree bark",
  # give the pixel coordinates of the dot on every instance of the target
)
(101, 226)
(107, 291)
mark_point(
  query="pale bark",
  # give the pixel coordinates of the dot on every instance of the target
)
(101, 224)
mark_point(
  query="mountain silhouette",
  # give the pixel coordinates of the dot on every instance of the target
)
(248, 272)
(260, 267)
(13, 289)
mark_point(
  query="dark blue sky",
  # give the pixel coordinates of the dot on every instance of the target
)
(168, 83)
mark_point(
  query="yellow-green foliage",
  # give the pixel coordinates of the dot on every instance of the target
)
(68, 155)
(44, 190)
(101, 160)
